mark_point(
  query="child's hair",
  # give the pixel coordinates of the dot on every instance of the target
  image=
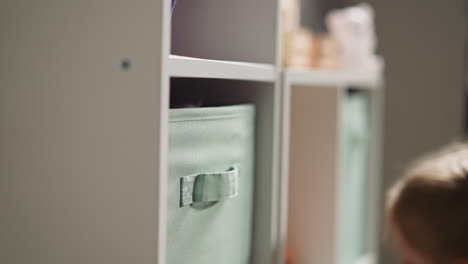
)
(429, 205)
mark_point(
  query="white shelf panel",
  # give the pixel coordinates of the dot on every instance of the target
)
(332, 78)
(188, 67)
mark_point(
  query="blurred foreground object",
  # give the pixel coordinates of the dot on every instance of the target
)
(290, 15)
(328, 52)
(353, 31)
(300, 48)
(349, 44)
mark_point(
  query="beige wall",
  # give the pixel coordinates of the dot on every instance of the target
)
(423, 46)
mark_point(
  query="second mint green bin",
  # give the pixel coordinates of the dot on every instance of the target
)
(210, 185)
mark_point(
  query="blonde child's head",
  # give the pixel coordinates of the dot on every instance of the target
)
(427, 209)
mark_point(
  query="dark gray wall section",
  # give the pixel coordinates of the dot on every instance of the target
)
(423, 46)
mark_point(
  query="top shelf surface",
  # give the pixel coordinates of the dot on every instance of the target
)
(188, 67)
(333, 78)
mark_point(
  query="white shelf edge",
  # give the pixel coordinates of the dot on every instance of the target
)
(333, 78)
(188, 67)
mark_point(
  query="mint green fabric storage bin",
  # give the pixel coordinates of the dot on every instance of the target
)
(210, 185)
(354, 189)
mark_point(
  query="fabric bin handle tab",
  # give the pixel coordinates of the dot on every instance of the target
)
(205, 189)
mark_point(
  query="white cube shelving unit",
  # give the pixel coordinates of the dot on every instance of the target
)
(311, 223)
(85, 99)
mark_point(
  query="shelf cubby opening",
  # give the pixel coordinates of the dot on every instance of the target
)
(219, 92)
(330, 203)
(241, 30)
